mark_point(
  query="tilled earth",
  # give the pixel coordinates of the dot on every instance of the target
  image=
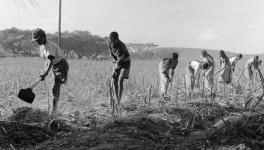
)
(193, 125)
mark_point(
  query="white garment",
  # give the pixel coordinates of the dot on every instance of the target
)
(196, 67)
(165, 66)
(248, 69)
(51, 49)
(192, 74)
(233, 60)
(164, 81)
(209, 73)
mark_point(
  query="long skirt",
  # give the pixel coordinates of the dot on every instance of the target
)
(189, 77)
(248, 73)
(164, 81)
(226, 74)
(209, 78)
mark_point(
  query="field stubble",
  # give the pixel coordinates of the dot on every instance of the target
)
(183, 122)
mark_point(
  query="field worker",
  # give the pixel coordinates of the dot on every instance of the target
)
(193, 71)
(225, 68)
(259, 65)
(259, 62)
(209, 73)
(250, 64)
(121, 60)
(166, 71)
(233, 60)
(53, 55)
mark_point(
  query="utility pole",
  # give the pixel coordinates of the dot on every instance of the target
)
(59, 38)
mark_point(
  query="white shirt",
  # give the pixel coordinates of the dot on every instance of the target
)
(249, 64)
(196, 65)
(233, 60)
(51, 49)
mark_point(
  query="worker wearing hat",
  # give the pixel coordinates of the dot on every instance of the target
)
(55, 60)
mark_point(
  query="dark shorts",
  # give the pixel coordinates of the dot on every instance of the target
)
(60, 71)
(123, 72)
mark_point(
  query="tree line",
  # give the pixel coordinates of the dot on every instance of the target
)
(79, 43)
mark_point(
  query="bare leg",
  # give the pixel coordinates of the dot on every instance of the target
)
(212, 93)
(120, 90)
(115, 81)
(56, 94)
(192, 82)
(225, 90)
(163, 85)
(198, 82)
(166, 88)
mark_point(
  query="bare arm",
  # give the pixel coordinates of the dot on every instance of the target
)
(114, 58)
(119, 60)
(111, 53)
(48, 67)
(166, 74)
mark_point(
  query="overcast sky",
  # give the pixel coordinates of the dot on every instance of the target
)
(235, 25)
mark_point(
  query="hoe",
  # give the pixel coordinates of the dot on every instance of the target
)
(27, 94)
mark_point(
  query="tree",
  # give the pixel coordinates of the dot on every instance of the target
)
(83, 43)
(18, 41)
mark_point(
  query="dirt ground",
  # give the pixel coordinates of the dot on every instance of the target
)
(197, 124)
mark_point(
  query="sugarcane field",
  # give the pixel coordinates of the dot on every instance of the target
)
(131, 75)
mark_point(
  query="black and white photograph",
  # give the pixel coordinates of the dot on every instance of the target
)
(131, 75)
